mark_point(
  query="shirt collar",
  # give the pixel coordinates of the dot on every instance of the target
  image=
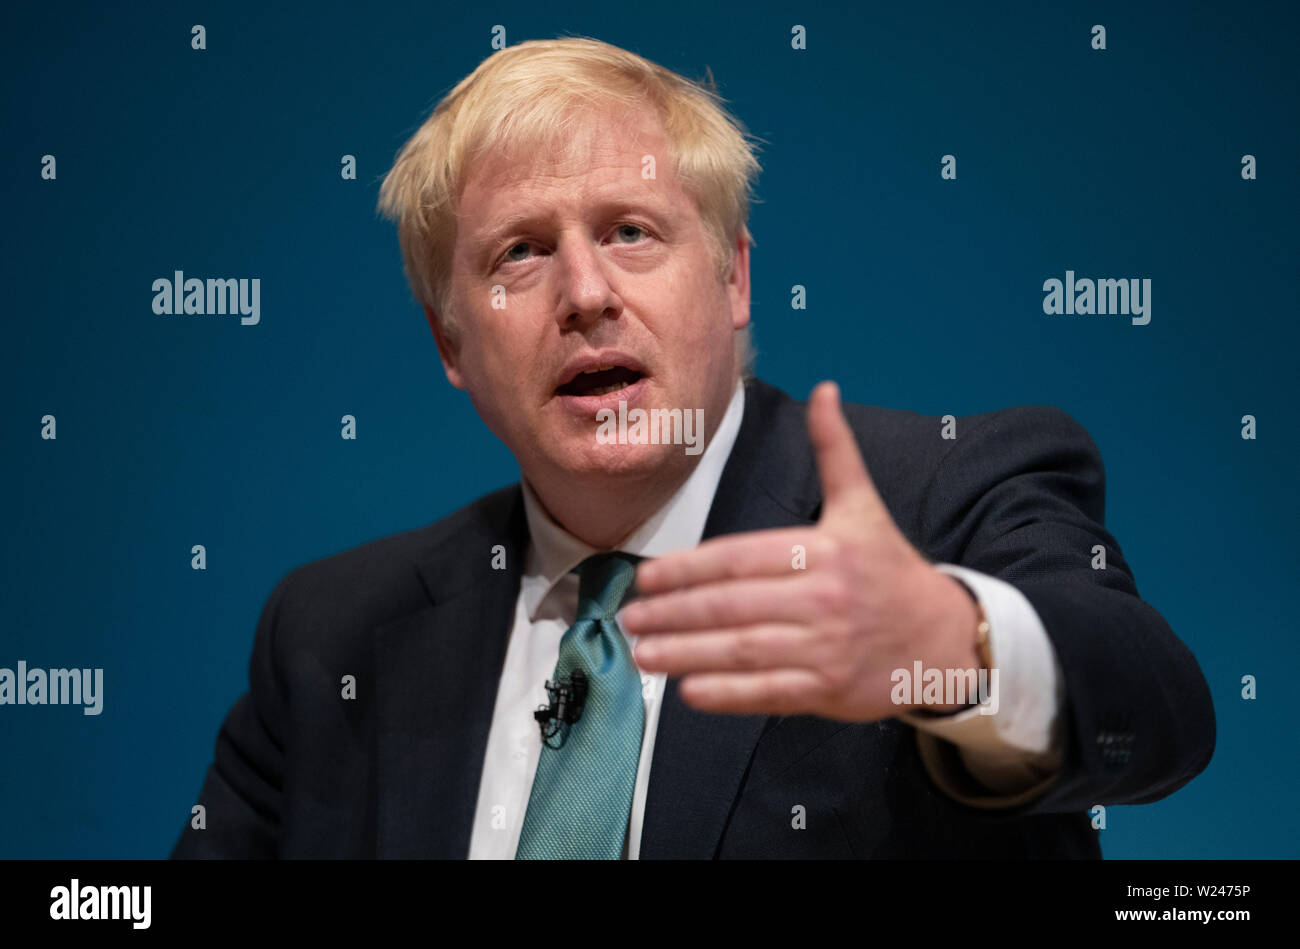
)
(677, 525)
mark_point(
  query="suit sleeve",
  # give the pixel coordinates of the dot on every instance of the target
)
(241, 793)
(1021, 497)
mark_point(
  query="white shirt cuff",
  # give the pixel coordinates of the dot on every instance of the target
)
(1014, 749)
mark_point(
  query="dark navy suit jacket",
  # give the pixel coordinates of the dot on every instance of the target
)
(421, 620)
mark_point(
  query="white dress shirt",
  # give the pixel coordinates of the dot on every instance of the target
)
(1012, 753)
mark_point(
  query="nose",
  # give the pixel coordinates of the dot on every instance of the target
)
(585, 294)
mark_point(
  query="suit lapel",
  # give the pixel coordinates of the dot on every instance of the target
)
(438, 669)
(700, 759)
(437, 674)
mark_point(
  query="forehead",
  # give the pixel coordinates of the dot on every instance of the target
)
(599, 157)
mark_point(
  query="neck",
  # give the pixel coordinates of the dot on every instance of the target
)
(604, 513)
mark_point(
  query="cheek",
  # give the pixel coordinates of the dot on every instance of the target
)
(702, 308)
(497, 353)
(483, 371)
(710, 329)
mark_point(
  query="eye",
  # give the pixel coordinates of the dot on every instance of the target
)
(635, 228)
(509, 255)
(626, 230)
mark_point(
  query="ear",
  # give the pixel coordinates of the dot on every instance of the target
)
(446, 349)
(738, 284)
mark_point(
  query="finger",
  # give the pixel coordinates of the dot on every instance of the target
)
(770, 692)
(770, 646)
(839, 462)
(769, 553)
(724, 605)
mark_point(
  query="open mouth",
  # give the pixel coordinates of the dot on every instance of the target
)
(600, 381)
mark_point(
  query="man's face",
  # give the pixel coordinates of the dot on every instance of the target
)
(591, 266)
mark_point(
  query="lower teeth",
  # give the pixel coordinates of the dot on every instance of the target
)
(605, 390)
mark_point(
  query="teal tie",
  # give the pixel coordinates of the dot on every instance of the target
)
(582, 792)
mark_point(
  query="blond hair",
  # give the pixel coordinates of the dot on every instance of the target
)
(523, 97)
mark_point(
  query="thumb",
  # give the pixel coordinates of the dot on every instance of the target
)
(839, 463)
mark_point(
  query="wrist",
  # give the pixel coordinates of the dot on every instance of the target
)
(965, 633)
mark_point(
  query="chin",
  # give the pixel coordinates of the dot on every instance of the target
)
(593, 463)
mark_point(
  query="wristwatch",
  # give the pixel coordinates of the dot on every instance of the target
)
(982, 648)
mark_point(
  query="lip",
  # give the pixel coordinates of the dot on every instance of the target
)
(588, 405)
(602, 357)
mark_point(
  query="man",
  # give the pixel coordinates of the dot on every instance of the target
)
(573, 221)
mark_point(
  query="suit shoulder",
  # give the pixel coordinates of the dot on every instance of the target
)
(905, 449)
(891, 423)
(1032, 436)
(380, 578)
(906, 428)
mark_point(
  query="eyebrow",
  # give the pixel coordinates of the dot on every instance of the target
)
(488, 237)
(498, 229)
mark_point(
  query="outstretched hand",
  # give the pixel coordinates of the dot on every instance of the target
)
(809, 620)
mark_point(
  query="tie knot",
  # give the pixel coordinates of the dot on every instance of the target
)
(604, 581)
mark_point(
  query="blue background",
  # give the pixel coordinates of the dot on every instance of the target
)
(922, 294)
